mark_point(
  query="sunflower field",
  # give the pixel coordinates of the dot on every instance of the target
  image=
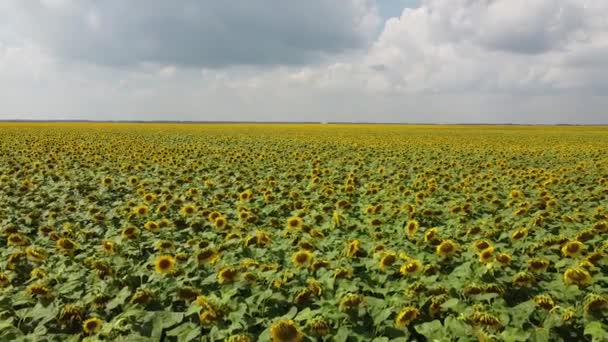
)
(284, 233)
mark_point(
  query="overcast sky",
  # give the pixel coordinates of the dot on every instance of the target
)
(492, 61)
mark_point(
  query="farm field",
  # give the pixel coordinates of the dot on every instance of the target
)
(251, 232)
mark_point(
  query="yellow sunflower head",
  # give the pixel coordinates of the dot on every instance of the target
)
(108, 247)
(92, 325)
(187, 210)
(406, 317)
(107, 181)
(302, 258)
(66, 245)
(544, 301)
(295, 222)
(578, 276)
(519, 234)
(387, 260)
(220, 222)
(130, 233)
(504, 258)
(227, 275)
(431, 234)
(354, 249)
(411, 267)
(538, 265)
(486, 255)
(572, 248)
(446, 248)
(35, 254)
(17, 239)
(149, 197)
(140, 210)
(481, 245)
(245, 196)
(285, 331)
(411, 228)
(152, 226)
(164, 264)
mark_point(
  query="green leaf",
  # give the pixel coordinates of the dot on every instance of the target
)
(341, 335)
(433, 330)
(512, 334)
(596, 331)
(163, 320)
(185, 332)
(119, 298)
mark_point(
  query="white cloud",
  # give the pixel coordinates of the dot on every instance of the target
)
(537, 61)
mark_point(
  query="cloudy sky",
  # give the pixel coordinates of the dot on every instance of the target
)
(492, 61)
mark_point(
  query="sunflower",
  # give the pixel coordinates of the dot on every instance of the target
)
(152, 226)
(71, 313)
(245, 196)
(92, 325)
(239, 338)
(220, 222)
(485, 319)
(39, 290)
(595, 303)
(406, 317)
(504, 258)
(227, 275)
(142, 296)
(578, 276)
(107, 181)
(481, 245)
(285, 331)
(206, 255)
(149, 197)
(130, 233)
(519, 234)
(411, 228)
(133, 180)
(164, 264)
(35, 254)
(316, 233)
(66, 245)
(108, 247)
(572, 248)
(411, 267)
(350, 301)
(187, 210)
(140, 210)
(544, 301)
(295, 222)
(187, 293)
(263, 238)
(162, 208)
(302, 258)
(4, 280)
(319, 326)
(164, 245)
(446, 248)
(524, 279)
(431, 235)
(17, 239)
(353, 249)
(38, 273)
(387, 260)
(486, 255)
(538, 265)
(319, 263)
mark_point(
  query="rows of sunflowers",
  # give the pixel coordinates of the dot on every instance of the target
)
(148, 232)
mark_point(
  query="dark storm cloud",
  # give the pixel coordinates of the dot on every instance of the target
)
(195, 33)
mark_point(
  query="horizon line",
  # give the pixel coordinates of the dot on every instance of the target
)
(293, 122)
